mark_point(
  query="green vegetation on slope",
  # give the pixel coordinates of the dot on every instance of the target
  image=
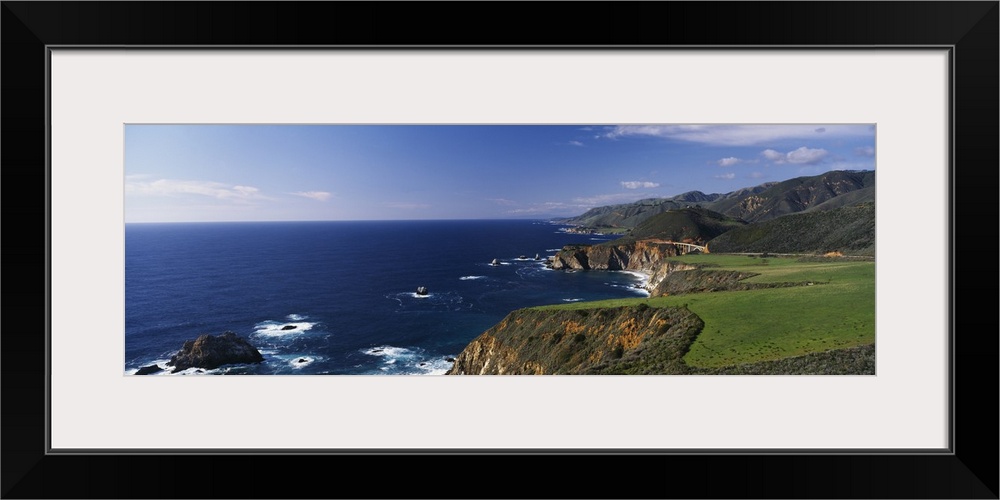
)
(751, 326)
(751, 204)
(794, 195)
(863, 195)
(696, 225)
(847, 229)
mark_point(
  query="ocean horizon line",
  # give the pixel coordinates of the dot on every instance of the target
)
(543, 219)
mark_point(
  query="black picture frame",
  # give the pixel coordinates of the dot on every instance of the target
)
(969, 28)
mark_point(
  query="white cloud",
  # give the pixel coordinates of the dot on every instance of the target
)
(170, 187)
(575, 143)
(807, 156)
(315, 195)
(728, 162)
(773, 155)
(756, 175)
(726, 176)
(246, 190)
(801, 156)
(865, 151)
(738, 135)
(639, 184)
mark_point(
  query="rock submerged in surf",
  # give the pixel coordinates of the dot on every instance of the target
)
(213, 351)
(148, 370)
(288, 327)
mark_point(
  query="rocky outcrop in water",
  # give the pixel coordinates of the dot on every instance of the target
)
(149, 370)
(211, 351)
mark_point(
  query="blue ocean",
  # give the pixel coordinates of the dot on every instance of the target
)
(340, 297)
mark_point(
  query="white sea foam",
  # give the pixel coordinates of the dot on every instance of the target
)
(442, 299)
(297, 362)
(198, 371)
(466, 278)
(389, 351)
(278, 329)
(436, 366)
(400, 360)
(168, 370)
(162, 363)
(572, 300)
(633, 288)
(553, 249)
(295, 317)
(643, 278)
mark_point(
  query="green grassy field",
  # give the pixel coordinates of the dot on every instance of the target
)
(837, 311)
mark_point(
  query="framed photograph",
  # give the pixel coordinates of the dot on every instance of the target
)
(156, 137)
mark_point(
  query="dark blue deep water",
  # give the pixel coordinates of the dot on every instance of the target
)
(347, 288)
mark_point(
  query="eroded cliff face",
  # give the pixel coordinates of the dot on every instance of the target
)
(634, 340)
(642, 256)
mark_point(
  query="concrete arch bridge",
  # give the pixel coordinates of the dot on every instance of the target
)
(690, 246)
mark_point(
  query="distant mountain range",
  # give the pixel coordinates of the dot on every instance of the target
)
(752, 204)
(834, 211)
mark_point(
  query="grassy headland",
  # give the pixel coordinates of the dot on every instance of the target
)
(750, 326)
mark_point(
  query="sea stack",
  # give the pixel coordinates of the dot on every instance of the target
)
(422, 290)
(210, 351)
(496, 262)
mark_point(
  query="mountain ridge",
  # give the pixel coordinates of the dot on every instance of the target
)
(750, 204)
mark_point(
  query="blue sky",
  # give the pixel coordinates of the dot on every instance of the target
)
(195, 173)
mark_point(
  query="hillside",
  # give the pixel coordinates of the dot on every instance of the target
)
(638, 339)
(626, 340)
(624, 215)
(863, 195)
(850, 230)
(722, 314)
(690, 225)
(794, 195)
(632, 214)
(750, 204)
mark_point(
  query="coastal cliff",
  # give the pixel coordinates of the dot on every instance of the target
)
(643, 256)
(637, 339)
(633, 339)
